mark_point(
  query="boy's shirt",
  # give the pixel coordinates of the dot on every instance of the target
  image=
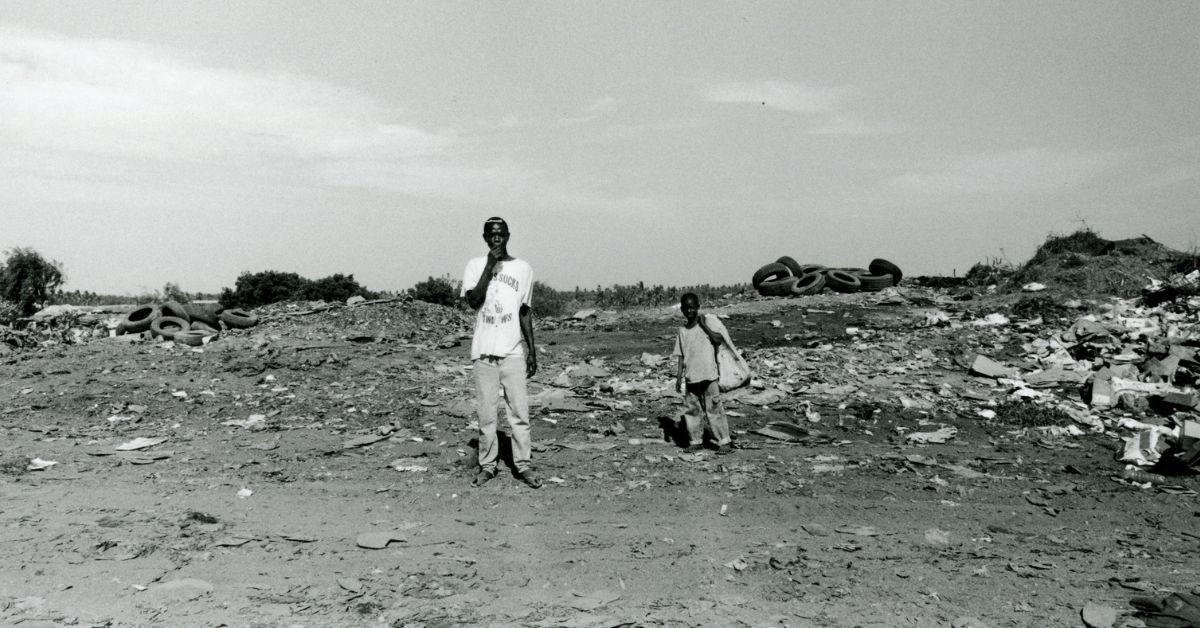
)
(699, 354)
(497, 323)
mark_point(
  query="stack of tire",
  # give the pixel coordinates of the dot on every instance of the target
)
(190, 324)
(786, 278)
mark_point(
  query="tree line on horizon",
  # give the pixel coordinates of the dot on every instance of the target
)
(29, 282)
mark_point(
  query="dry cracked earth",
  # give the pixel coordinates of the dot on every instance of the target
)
(315, 471)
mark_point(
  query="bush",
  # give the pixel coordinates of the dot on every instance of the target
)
(9, 313)
(264, 288)
(336, 287)
(172, 292)
(994, 272)
(438, 290)
(1083, 242)
(548, 302)
(1186, 264)
(1048, 307)
(28, 280)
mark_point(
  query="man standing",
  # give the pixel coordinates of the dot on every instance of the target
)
(499, 287)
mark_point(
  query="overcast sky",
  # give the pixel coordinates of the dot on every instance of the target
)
(666, 142)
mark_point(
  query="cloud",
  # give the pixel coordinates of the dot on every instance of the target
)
(162, 128)
(130, 100)
(791, 97)
(118, 114)
(589, 113)
(603, 104)
(1172, 176)
(1017, 171)
(825, 110)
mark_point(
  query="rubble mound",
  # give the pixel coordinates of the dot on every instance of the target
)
(1083, 264)
(383, 320)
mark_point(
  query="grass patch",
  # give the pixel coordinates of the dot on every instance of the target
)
(1084, 242)
(200, 517)
(1043, 305)
(13, 465)
(996, 271)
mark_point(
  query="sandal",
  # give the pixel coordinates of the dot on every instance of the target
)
(483, 476)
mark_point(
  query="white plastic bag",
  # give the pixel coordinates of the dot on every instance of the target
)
(732, 370)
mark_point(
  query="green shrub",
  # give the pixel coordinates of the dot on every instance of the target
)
(29, 280)
(993, 272)
(264, 288)
(437, 290)
(172, 292)
(1083, 242)
(9, 313)
(1033, 306)
(639, 295)
(548, 302)
(336, 287)
(1186, 264)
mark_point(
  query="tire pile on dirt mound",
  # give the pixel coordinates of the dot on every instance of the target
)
(786, 278)
(187, 323)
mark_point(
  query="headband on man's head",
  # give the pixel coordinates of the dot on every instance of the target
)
(494, 220)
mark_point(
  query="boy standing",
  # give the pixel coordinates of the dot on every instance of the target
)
(498, 287)
(695, 345)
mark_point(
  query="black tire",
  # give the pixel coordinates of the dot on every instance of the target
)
(167, 326)
(770, 272)
(778, 287)
(842, 281)
(812, 283)
(237, 318)
(138, 320)
(875, 283)
(884, 267)
(175, 309)
(203, 326)
(812, 268)
(792, 265)
(204, 313)
(857, 272)
(194, 337)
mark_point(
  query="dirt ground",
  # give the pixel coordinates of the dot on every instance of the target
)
(289, 446)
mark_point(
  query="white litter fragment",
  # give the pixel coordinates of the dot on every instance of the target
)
(994, 319)
(140, 443)
(406, 466)
(244, 493)
(940, 436)
(37, 464)
(936, 318)
(250, 422)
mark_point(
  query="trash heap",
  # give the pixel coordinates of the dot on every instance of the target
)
(787, 278)
(405, 321)
(60, 325)
(1134, 369)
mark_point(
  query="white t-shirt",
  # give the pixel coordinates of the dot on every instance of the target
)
(497, 323)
